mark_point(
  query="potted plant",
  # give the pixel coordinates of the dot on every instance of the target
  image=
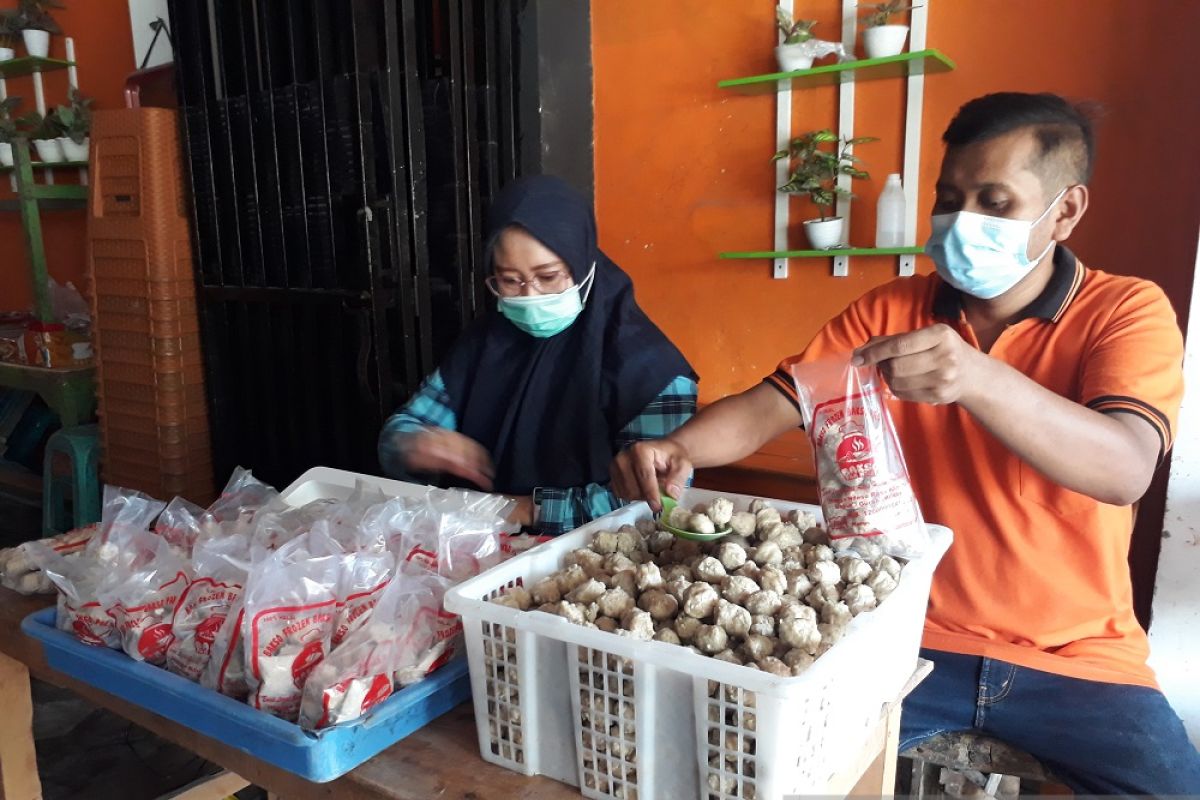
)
(792, 53)
(880, 37)
(10, 29)
(8, 129)
(44, 132)
(36, 24)
(76, 122)
(815, 173)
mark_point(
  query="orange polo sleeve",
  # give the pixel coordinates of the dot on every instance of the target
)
(1135, 362)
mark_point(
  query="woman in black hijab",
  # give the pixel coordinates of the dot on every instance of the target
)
(536, 398)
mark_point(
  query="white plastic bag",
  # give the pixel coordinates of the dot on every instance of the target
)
(84, 577)
(242, 498)
(179, 524)
(361, 578)
(225, 671)
(865, 492)
(147, 580)
(359, 674)
(219, 568)
(291, 604)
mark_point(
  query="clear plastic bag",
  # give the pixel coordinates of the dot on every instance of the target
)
(225, 671)
(359, 674)
(865, 491)
(179, 524)
(148, 578)
(219, 569)
(290, 608)
(242, 498)
(85, 577)
(362, 578)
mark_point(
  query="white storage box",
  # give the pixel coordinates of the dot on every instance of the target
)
(649, 715)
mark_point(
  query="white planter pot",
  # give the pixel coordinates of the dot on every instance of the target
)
(6, 154)
(825, 233)
(37, 43)
(885, 40)
(72, 151)
(49, 150)
(7, 54)
(793, 57)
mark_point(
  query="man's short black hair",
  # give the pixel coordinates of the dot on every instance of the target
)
(1063, 130)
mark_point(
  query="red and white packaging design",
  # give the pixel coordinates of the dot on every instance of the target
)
(359, 674)
(150, 578)
(219, 573)
(225, 671)
(85, 577)
(291, 604)
(864, 487)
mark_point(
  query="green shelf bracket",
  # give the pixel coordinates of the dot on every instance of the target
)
(49, 165)
(927, 62)
(27, 65)
(840, 251)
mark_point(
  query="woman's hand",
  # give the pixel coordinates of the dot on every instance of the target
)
(440, 450)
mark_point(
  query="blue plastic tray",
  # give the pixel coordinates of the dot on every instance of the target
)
(318, 756)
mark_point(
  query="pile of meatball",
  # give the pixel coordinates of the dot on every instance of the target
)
(772, 594)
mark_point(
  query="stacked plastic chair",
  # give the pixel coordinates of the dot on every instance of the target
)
(150, 382)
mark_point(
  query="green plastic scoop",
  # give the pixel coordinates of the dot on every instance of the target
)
(668, 505)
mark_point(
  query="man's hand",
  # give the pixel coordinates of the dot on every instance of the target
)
(930, 365)
(440, 450)
(638, 470)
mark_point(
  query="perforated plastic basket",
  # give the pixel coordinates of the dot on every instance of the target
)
(628, 719)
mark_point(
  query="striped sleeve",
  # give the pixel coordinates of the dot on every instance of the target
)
(564, 509)
(1134, 365)
(428, 408)
(837, 338)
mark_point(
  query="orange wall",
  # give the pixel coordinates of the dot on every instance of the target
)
(104, 49)
(683, 170)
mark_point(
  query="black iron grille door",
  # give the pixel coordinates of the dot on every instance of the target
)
(342, 154)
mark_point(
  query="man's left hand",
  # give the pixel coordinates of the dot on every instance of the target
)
(930, 365)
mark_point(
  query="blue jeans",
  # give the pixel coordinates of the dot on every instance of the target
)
(1098, 738)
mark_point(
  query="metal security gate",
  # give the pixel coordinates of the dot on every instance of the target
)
(342, 154)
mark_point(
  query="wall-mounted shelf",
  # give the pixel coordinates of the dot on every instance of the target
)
(921, 62)
(49, 165)
(912, 67)
(834, 253)
(27, 65)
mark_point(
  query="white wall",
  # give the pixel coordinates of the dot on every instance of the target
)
(1175, 628)
(141, 14)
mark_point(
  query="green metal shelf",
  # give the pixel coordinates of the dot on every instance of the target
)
(845, 251)
(899, 66)
(27, 65)
(49, 165)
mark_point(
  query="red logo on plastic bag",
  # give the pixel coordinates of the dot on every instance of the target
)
(306, 661)
(154, 641)
(381, 689)
(84, 633)
(206, 632)
(854, 459)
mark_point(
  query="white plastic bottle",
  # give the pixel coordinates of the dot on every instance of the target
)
(889, 214)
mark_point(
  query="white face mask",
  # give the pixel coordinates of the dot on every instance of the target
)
(981, 255)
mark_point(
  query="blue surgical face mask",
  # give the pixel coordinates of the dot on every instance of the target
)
(544, 315)
(981, 255)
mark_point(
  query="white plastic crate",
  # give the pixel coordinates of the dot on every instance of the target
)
(651, 726)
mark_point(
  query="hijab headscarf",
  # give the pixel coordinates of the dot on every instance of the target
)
(549, 409)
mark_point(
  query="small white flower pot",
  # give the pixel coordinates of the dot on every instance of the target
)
(49, 150)
(824, 234)
(885, 40)
(793, 57)
(37, 43)
(72, 151)
(6, 154)
(7, 54)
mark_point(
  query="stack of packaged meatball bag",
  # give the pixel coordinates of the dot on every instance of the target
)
(312, 613)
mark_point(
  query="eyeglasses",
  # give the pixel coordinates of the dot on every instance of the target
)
(510, 286)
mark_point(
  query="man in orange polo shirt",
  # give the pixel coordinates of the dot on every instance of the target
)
(1035, 399)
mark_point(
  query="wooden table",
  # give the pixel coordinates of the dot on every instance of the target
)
(439, 761)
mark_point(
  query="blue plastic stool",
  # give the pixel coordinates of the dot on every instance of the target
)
(81, 445)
